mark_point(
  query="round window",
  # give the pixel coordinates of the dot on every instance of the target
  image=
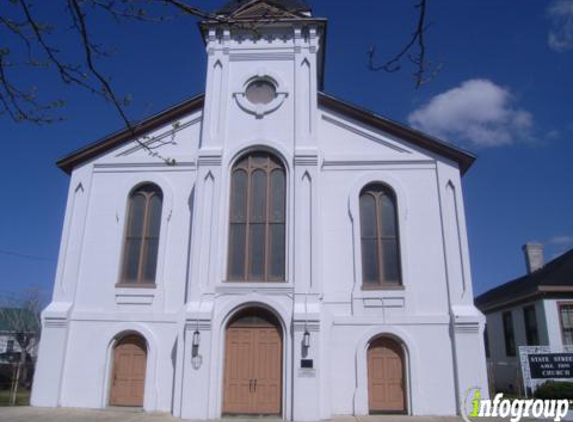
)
(261, 91)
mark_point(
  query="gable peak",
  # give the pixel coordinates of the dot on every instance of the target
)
(253, 9)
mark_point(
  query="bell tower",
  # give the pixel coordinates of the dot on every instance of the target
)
(265, 67)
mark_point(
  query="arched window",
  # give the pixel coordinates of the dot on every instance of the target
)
(257, 219)
(142, 236)
(379, 237)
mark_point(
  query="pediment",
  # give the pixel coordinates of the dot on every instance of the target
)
(344, 137)
(262, 9)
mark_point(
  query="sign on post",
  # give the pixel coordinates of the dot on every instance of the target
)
(551, 365)
(540, 364)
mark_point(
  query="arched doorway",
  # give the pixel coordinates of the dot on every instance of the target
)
(128, 372)
(252, 382)
(386, 377)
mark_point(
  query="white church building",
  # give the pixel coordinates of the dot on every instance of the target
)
(272, 250)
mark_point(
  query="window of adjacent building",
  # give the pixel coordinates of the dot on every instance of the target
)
(486, 343)
(566, 316)
(9, 346)
(508, 334)
(531, 332)
(257, 219)
(379, 237)
(142, 236)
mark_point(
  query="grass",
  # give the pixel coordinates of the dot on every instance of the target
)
(22, 399)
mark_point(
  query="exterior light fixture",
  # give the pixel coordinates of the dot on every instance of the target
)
(196, 338)
(306, 339)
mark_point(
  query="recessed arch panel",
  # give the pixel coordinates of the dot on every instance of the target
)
(129, 371)
(387, 388)
(253, 365)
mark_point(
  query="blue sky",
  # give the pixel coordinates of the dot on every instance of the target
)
(504, 93)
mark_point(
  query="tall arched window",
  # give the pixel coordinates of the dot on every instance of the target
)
(379, 237)
(142, 236)
(257, 219)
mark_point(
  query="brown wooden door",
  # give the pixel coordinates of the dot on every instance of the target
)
(386, 383)
(128, 377)
(253, 368)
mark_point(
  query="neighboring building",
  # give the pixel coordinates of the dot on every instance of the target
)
(534, 310)
(14, 323)
(303, 258)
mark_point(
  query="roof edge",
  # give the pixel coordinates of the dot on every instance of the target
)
(463, 158)
(70, 161)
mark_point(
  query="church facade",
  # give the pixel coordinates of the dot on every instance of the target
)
(264, 249)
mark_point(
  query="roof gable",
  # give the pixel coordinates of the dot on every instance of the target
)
(463, 158)
(76, 158)
(253, 9)
(556, 276)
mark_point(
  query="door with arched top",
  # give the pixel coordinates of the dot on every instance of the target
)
(253, 365)
(128, 373)
(386, 377)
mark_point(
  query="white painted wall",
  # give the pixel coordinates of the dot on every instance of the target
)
(329, 158)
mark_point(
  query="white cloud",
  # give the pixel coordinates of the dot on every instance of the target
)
(561, 240)
(561, 33)
(478, 112)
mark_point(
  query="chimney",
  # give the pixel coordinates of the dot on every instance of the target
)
(534, 259)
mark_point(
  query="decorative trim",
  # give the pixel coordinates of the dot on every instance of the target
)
(364, 134)
(306, 159)
(208, 158)
(261, 110)
(248, 57)
(301, 325)
(244, 288)
(334, 164)
(180, 166)
(55, 323)
(134, 296)
(467, 328)
(418, 320)
(200, 324)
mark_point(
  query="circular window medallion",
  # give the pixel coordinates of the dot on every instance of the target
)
(261, 91)
(262, 94)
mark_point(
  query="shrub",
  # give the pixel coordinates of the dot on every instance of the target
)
(554, 390)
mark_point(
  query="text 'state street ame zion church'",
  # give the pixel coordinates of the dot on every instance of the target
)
(303, 258)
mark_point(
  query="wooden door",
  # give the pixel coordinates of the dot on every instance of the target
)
(128, 374)
(386, 383)
(253, 368)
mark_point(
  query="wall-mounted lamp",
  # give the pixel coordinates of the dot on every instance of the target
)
(196, 338)
(306, 339)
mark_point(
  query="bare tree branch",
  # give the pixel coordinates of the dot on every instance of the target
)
(423, 66)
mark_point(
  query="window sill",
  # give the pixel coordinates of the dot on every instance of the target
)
(135, 286)
(135, 295)
(381, 297)
(237, 287)
(382, 287)
(255, 282)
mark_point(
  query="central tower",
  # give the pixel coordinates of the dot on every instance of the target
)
(265, 66)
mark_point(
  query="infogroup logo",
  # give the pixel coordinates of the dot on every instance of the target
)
(474, 407)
